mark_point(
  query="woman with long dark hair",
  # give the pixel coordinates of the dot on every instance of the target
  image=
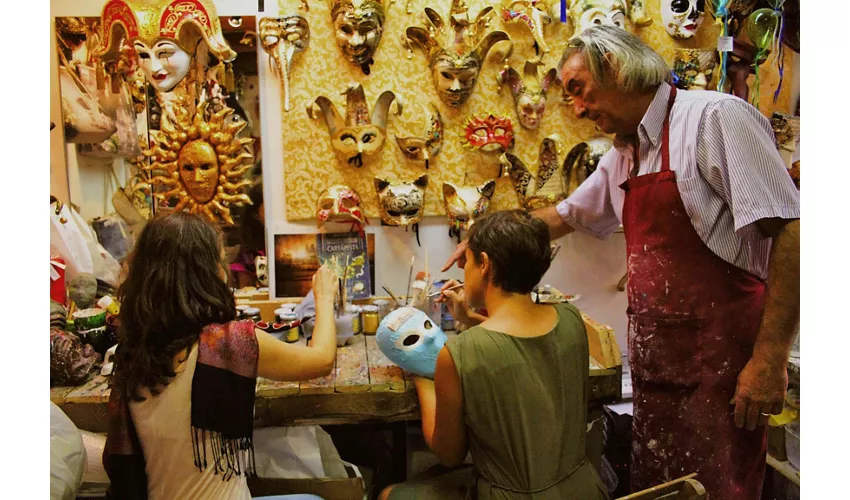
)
(182, 400)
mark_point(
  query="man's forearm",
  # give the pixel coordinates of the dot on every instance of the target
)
(782, 304)
(557, 226)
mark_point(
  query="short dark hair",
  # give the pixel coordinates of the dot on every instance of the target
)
(173, 289)
(518, 246)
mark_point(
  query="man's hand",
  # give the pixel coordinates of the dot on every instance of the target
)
(458, 256)
(760, 392)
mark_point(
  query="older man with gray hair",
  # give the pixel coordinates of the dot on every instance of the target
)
(711, 220)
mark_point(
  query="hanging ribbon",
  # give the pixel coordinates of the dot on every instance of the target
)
(780, 51)
(564, 11)
(721, 17)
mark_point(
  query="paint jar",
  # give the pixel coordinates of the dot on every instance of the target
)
(292, 331)
(108, 304)
(384, 308)
(241, 309)
(356, 324)
(371, 318)
(252, 313)
(87, 319)
(345, 327)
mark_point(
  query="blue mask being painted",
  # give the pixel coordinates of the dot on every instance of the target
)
(411, 340)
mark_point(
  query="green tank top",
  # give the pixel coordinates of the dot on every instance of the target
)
(525, 405)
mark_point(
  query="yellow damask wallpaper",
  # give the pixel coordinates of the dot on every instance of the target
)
(310, 164)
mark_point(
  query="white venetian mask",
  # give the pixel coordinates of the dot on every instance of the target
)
(165, 64)
(585, 14)
(682, 18)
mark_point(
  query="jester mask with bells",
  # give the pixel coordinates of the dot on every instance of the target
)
(490, 133)
(583, 159)
(682, 18)
(463, 204)
(530, 188)
(340, 204)
(201, 161)
(693, 69)
(532, 13)
(409, 338)
(587, 13)
(282, 38)
(358, 26)
(529, 92)
(401, 204)
(165, 35)
(428, 146)
(455, 51)
(359, 133)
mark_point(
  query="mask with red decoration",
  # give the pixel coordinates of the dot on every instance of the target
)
(340, 204)
(490, 133)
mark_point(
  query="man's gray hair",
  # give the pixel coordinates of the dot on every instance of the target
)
(636, 66)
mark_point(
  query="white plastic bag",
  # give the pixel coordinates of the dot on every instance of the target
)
(67, 456)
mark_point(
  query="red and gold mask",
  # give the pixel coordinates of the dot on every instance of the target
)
(340, 204)
(490, 133)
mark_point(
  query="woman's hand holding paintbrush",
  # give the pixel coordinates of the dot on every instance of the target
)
(452, 294)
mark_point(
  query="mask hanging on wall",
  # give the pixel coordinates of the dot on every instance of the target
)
(532, 13)
(165, 36)
(428, 146)
(530, 188)
(786, 130)
(583, 159)
(529, 92)
(201, 162)
(340, 204)
(358, 27)
(465, 203)
(490, 133)
(261, 265)
(693, 69)
(401, 204)
(638, 14)
(682, 18)
(409, 338)
(587, 13)
(455, 52)
(359, 133)
(282, 38)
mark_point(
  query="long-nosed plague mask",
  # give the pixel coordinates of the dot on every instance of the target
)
(359, 133)
(427, 146)
(544, 188)
(529, 92)
(465, 203)
(282, 38)
(455, 51)
(403, 203)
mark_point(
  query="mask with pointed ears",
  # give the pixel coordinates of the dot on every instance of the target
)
(529, 92)
(463, 204)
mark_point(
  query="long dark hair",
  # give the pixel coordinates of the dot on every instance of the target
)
(172, 290)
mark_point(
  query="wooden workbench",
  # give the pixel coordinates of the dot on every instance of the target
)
(363, 387)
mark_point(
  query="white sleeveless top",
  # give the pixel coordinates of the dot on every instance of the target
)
(163, 424)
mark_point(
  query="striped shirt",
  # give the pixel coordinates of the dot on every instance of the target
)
(728, 172)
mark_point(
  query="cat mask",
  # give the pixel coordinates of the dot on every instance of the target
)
(401, 204)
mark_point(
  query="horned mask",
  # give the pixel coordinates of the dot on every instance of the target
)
(529, 92)
(490, 133)
(359, 133)
(535, 192)
(401, 204)
(426, 147)
(532, 13)
(465, 203)
(282, 38)
(455, 51)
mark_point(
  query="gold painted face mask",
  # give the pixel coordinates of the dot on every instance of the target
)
(426, 147)
(465, 203)
(401, 204)
(358, 27)
(282, 38)
(455, 52)
(535, 192)
(532, 13)
(529, 92)
(358, 134)
(582, 161)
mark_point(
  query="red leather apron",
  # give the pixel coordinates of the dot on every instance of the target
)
(693, 320)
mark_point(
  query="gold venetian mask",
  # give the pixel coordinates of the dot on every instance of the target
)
(201, 162)
(588, 13)
(282, 38)
(358, 27)
(529, 92)
(536, 191)
(426, 147)
(693, 69)
(532, 13)
(401, 204)
(455, 51)
(583, 159)
(359, 133)
(465, 203)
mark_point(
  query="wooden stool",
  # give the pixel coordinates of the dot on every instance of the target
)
(684, 488)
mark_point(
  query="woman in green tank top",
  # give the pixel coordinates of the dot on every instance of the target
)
(512, 391)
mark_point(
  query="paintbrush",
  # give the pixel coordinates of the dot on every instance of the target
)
(392, 296)
(409, 280)
(555, 249)
(454, 287)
